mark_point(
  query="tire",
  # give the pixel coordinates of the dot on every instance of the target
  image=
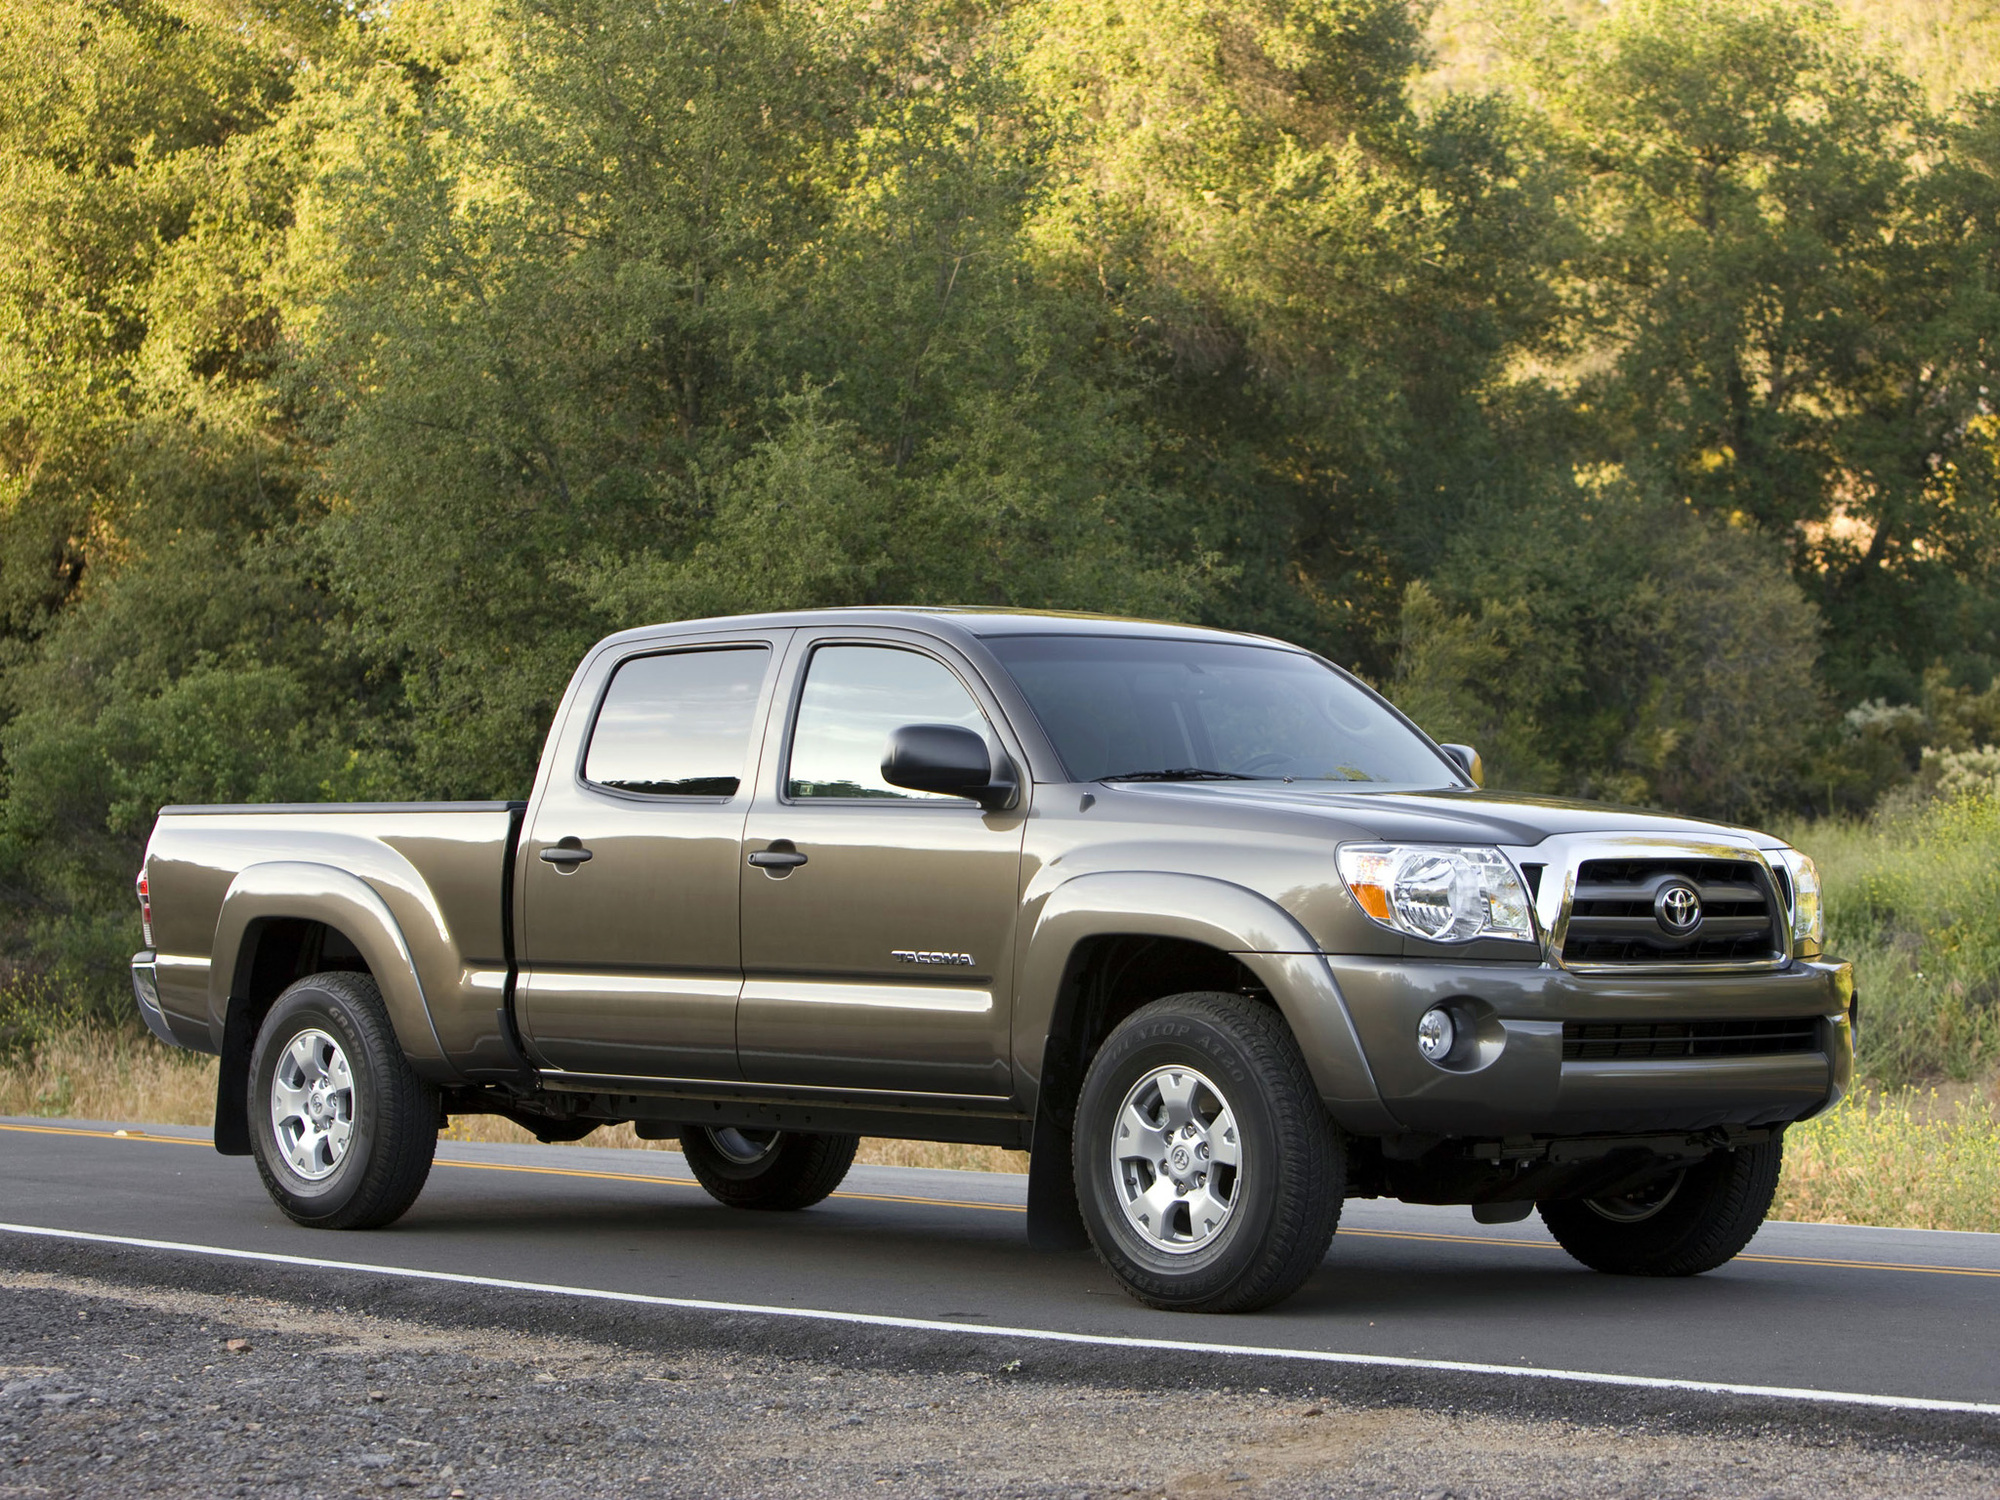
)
(326, 1056)
(1691, 1222)
(1191, 1067)
(768, 1169)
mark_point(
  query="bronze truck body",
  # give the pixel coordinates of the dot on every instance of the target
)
(745, 905)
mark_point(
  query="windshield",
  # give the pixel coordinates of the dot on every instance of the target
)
(1132, 708)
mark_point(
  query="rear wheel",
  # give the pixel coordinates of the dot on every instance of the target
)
(342, 1128)
(1678, 1225)
(771, 1169)
(1209, 1175)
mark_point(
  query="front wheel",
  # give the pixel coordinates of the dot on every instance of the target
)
(1209, 1175)
(342, 1128)
(771, 1169)
(1678, 1225)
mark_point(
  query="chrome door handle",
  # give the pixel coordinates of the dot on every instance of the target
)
(565, 856)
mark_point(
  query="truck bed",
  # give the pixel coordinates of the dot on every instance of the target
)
(442, 870)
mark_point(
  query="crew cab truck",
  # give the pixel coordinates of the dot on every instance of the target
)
(1196, 918)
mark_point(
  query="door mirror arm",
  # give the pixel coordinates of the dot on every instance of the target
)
(1002, 790)
(951, 759)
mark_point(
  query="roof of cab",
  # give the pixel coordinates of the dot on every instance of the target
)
(953, 621)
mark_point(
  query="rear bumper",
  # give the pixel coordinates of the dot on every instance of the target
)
(146, 990)
(1511, 1078)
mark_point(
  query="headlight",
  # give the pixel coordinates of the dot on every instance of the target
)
(1443, 894)
(1808, 913)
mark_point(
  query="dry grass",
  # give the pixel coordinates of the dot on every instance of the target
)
(89, 1073)
(1910, 1159)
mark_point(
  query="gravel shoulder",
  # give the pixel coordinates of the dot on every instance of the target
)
(115, 1381)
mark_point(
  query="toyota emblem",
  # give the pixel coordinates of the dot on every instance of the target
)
(1677, 908)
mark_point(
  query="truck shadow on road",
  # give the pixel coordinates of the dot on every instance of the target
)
(913, 1259)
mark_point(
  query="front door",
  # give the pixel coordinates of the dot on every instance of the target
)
(882, 960)
(631, 957)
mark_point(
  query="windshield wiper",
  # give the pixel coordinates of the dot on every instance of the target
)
(1185, 773)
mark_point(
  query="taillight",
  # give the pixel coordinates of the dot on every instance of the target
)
(145, 909)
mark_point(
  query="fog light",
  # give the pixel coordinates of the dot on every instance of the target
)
(1435, 1034)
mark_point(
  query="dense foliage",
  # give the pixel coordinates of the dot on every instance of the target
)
(1618, 403)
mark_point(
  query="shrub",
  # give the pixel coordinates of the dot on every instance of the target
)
(1913, 900)
(1903, 1159)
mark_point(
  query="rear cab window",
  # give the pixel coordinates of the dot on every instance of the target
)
(678, 724)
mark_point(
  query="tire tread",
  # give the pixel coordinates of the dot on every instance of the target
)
(1734, 1192)
(404, 1132)
(1311, 1161)
(807, 1168)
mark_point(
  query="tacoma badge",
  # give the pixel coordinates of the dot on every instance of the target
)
(916, 956)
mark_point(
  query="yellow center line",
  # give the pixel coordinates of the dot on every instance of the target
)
(108, 1135)
(496, 1166)
(1769, 1260)
(1871, 1265)
(1014, 1208)
(1453, 1239)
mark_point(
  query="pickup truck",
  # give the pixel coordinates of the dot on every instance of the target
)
(1195, 918)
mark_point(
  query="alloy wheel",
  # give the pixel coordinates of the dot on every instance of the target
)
(313, 1101)
(1176, 1160)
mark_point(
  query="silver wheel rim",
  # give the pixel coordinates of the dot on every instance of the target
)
(1176, 1160)
(744, 1147)
(1636, 1207)
(313, 1105)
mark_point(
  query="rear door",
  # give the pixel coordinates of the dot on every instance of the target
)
(630, 947)
(882, 961)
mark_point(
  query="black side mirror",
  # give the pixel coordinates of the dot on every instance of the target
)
(947, 758)
(1468, 761)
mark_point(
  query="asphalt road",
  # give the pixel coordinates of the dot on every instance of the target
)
(1907, 1315)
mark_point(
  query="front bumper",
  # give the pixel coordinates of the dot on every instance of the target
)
(146, 990)
(1514, 1080)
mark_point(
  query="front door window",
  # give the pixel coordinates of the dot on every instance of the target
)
(855, 697)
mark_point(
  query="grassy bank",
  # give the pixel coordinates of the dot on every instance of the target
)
(1913, 901)
(1908, 1158)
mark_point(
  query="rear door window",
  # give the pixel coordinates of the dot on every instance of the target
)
(678, 724)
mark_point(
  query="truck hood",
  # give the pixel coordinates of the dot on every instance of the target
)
(1448, 815)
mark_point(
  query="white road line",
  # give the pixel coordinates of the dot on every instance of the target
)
(1043, 1335)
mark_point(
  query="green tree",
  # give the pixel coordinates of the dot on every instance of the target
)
(1783, 310)
(1325, 285)
(149, 480)
(613, 313)
(1608, 645)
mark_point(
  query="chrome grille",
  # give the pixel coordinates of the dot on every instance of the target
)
(1611, 916)
(1605, 1041)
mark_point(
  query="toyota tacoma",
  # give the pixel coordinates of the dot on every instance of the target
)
(1195, 918)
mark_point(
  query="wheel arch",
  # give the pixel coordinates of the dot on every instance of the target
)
(1102, 945)
(1228, 937)
(280, 922)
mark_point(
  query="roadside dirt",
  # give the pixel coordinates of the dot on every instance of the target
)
(113, 1389)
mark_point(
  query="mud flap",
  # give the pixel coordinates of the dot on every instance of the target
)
(232, 1083)
(1054, 1220)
